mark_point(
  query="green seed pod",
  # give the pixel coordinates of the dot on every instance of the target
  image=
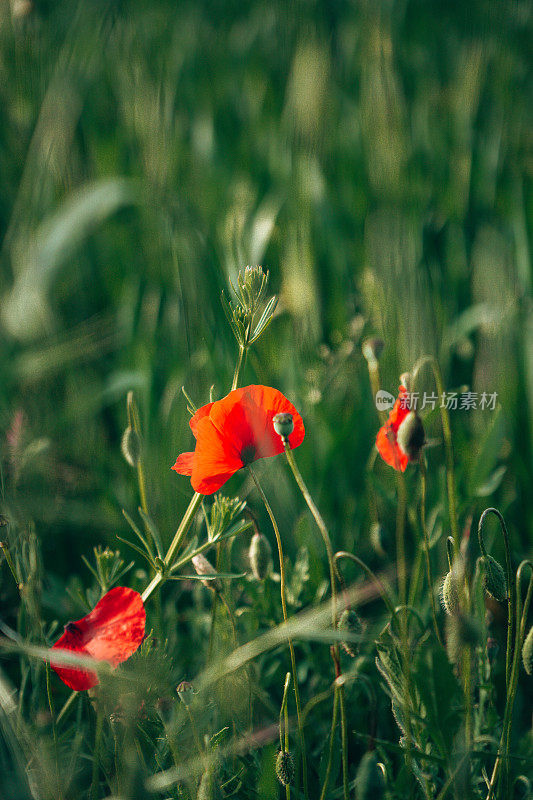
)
(411, 437)
(449, 594)
(285, 768)
(527, 652)
(283, 424)
(260, 555)
(185, 692)
(131, 446)
(350, 622)
(494, 578)
(370, 778)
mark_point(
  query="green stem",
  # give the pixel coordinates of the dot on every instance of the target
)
(285, 619)
(521, 620)
(448, 445)
(426, 545)
(400, 538)
(331, 742)
(373, 577)
(344, 739)
(10, 563)
(184, 526)
(240, 363)
(332, 576)
(511, 602)
(96, 754)
(66, 707)
(284, 726)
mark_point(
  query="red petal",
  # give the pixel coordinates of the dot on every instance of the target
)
(184, 464)
(215, 459)
(111, 632)
(200, 414)
(389, 449)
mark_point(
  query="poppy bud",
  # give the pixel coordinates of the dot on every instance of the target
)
(450, 593)
(185, 692)
(494, 578)
(372, 349)
(283, 424)
(131, 446)
(370, 778)
(527, 653)
(260, 555)
(203, 567)
(285, 767)
(350, 622)
(411, 437)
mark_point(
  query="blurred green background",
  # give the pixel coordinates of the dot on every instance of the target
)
(376, 156)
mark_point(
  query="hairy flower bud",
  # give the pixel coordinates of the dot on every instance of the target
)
(285, 768)
(350, 622)
(462, 631)
(494, 578)
(260, 555)
(527, 652)
(370, 778)
(411, 437)
(131, 446)
(185, 692)
(203, 567)
(206, 789)
(283, 424)
(449, 595)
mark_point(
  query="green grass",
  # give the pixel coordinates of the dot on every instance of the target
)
(376, 158)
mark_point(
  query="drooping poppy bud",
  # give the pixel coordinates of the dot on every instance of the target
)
(260, 555)
(350, 622)
(527, 652)
(494, 579)
(285, 768)
(450, 594)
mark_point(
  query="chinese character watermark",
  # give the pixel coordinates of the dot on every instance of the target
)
(452, 401)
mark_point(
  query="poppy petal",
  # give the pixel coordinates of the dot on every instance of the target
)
(389, 450)
(111, 632)
(200, 414)
(184, 464)
(215, 459)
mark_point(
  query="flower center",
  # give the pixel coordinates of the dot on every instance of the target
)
(248, 454)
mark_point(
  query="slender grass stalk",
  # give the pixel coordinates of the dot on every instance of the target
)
(331, 743)
(96, 753)
(285, 619)
(332, 576)
(373, 577)
(426, 545)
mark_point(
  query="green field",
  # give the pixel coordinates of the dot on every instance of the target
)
(376, 157)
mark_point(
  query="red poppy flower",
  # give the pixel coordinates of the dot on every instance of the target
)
(387, 438)
(233, 432)
(111, 632)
